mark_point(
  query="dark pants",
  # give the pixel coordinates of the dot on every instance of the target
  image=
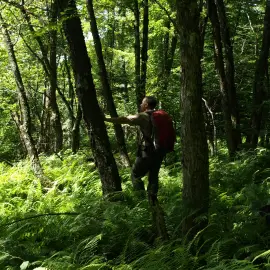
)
(147, 163)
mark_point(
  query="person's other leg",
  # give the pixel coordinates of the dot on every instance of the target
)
(139, 170)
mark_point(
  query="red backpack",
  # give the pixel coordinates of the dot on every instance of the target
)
(163, 131)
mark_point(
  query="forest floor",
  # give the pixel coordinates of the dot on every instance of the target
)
(70, 226)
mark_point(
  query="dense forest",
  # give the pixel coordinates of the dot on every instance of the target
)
(67, 200)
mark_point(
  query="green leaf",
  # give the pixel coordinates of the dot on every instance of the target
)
(24, 265)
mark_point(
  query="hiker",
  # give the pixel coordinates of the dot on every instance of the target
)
(156, 140)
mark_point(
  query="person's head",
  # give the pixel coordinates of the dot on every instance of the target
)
(148, 103)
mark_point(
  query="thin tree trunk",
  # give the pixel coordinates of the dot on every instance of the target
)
(260, 80)
(202, 26)
(111, 45)
(229, 72)
(211, 130)
(70, 84)
(139, 94)
(169, 48)
(16, 118)
(162, 78)
(24, 123)
(75, 121)
(86, 93)
(144, 52)
(212, 11)
(166, 46)
(169, 63)
(52, 115)
(194, 144)
(107, 93)
(76, 132)
(122, 46)
(125, 77)
(52, 103)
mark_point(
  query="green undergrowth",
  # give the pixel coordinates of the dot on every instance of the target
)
(72, 227)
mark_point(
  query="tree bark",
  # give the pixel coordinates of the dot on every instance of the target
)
(51, 114)
(52, 102)
(193, 136)
(169, 63)
(76, 132)
(202, 26)
(126, 81)
(75, 121)
(166, 46)
(219, 60)
(139, 94)
(70, 85)
(211, 130)
(107, 93)
(229, 72)
(260, 79)
(86, 93)
(169, 49)
(24, 123)
(144, 53)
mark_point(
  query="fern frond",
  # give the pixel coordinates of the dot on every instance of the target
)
(264, 255)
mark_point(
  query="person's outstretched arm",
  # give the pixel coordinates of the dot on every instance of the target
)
(131, 120)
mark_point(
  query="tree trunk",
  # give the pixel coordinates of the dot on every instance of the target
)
(193, 135)
(52, 103)
(52, 133)
(229, 72)
(86, 93)
(169, 63)
(76, 132)
(70, 85)
(24, 123)
(211, 130)
(212, 11)
(112, 46)
(165, 47)
(202, 26)
(169, 49)
(139, 94)
(144, 46)
(125, 78)
(75, 121)
(107, 93)
(260, 79)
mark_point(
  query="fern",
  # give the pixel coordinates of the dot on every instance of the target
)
(118, 235)
(232, 265)
(264, 255)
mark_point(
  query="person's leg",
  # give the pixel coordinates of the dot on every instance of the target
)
(139, 170)
(152, 188)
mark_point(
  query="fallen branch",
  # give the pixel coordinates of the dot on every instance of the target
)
(41, 215)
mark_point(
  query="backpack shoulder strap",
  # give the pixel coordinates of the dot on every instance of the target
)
(152, 138)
